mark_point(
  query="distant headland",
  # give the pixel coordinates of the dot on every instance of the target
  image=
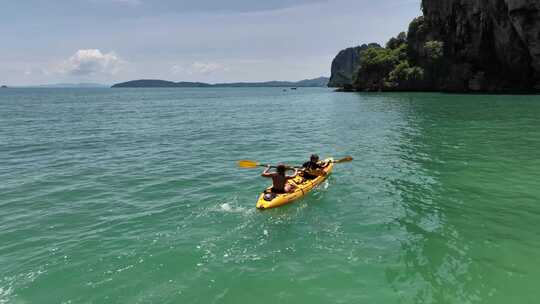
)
(156, 83)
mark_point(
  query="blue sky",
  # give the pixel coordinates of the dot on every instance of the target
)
(107, 41)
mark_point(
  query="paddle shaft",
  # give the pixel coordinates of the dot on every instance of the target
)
(252, 164)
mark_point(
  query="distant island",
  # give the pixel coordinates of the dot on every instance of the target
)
(156, 83)
(456, 46)
(4, 87)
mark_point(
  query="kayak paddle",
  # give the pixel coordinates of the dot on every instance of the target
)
(343, 160)
(249, 164)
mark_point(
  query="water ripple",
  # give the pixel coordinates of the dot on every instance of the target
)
(134, 196)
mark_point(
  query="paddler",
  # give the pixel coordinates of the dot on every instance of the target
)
(279, 179)
(313, 167)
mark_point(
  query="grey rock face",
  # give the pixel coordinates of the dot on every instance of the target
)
(344, 66)
(491, 45)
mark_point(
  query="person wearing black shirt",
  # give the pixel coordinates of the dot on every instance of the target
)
(312, 166)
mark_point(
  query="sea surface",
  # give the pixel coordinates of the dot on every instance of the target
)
(135, 196)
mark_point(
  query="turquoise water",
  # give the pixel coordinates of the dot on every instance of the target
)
(134, 196)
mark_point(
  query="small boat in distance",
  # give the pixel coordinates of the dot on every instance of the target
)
(294, 88)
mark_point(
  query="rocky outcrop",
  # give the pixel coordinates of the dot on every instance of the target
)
(345, 67)
(464, 46)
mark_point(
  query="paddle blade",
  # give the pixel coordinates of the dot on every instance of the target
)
(247, 164)
(344, 160)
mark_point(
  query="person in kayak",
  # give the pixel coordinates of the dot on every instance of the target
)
(313, 167)
(279, 179)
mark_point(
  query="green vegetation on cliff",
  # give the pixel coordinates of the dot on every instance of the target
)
(407, 62)
(391, 67)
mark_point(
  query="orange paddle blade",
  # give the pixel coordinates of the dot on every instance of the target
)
(248, 164)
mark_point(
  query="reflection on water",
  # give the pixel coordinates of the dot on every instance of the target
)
(461, 243)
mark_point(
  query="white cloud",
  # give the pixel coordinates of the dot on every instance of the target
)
(91, 62)
(199, 68)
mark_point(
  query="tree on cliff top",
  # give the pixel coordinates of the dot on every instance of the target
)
(377, 63)
(389, 68)
(398, 41)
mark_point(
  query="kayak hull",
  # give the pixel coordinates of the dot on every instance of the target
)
(303, 187)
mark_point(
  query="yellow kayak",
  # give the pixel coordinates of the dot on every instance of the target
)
(303, 187)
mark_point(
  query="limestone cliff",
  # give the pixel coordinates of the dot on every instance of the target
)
(489, 45)
(345, 66)
(458, 45)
